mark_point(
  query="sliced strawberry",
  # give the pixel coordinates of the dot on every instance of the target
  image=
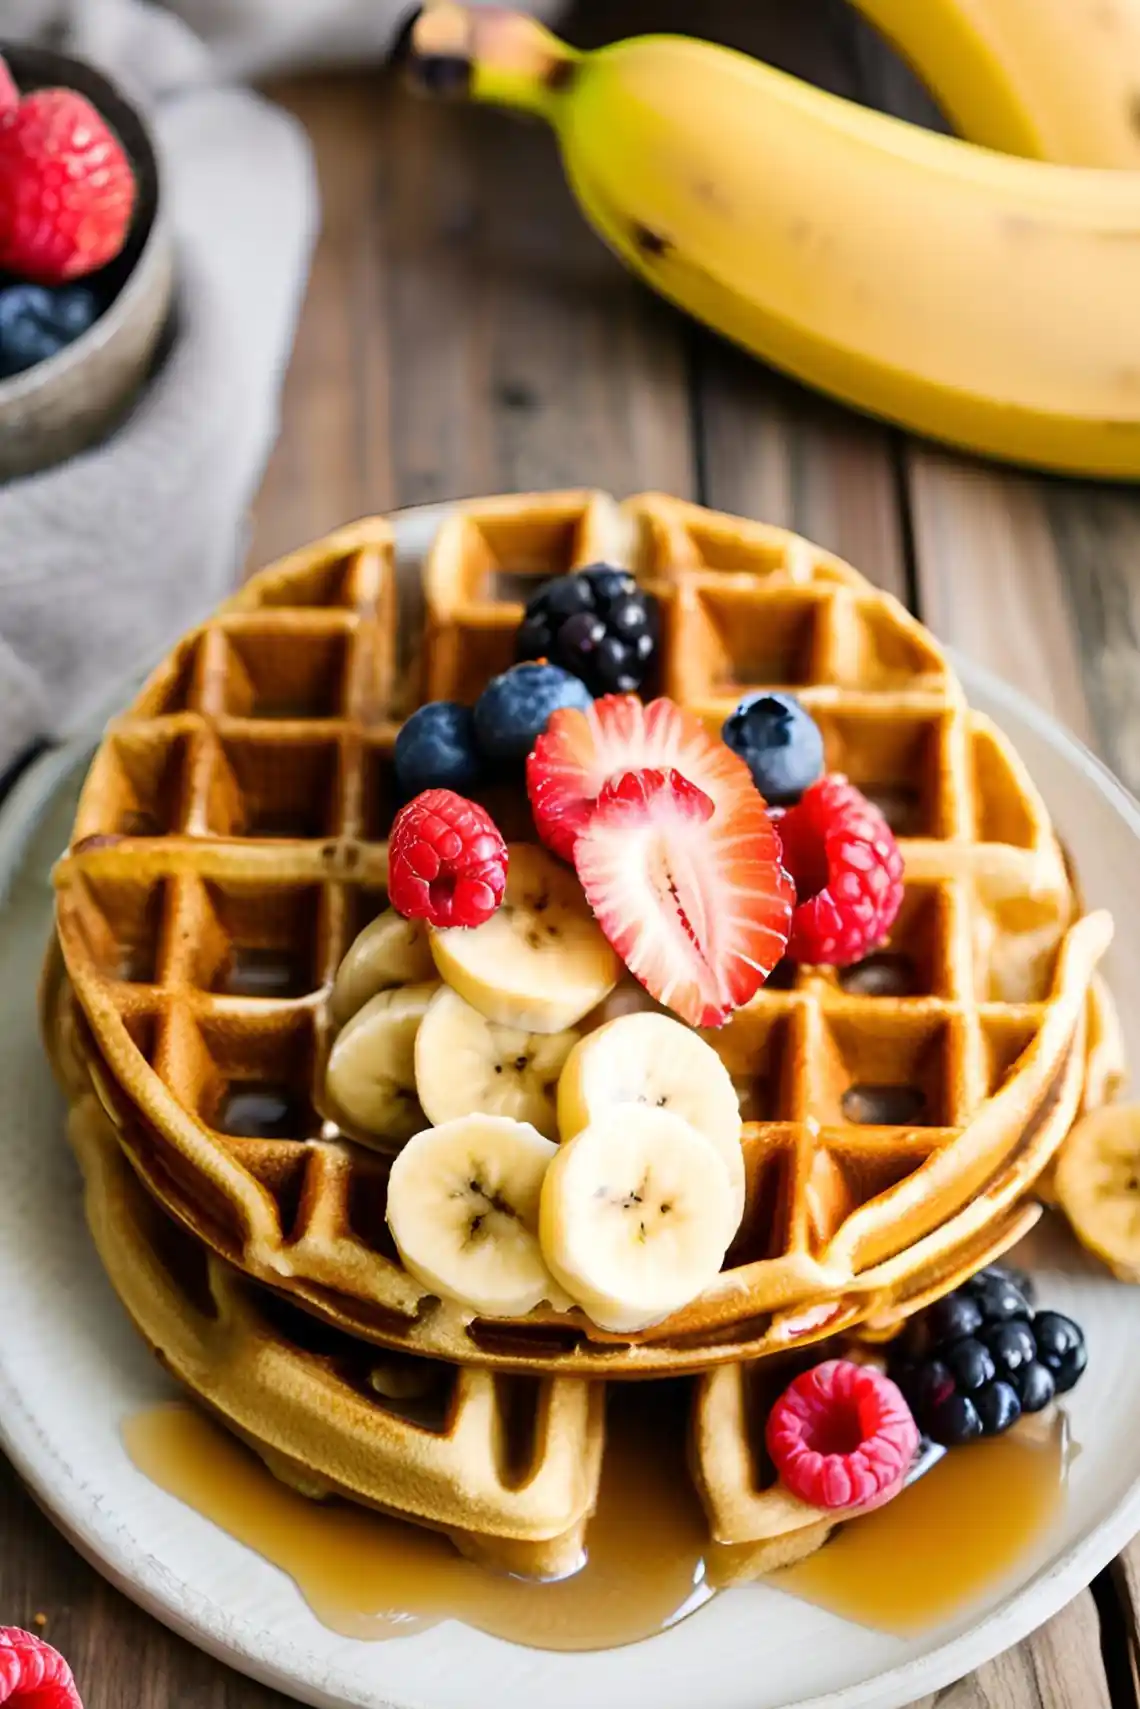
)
(580, 752)
(690, 893)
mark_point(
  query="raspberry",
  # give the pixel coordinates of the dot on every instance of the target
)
(847, 870)
(447, 862)
(67, 191)
(33, 1674)
(842, 1435)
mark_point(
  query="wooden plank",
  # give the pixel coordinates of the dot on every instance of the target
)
(1060, 1667)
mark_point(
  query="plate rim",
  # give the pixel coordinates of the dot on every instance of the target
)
(75, 1510)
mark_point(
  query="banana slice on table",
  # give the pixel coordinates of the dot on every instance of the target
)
(389, 951)
(463, 1204)
(1098, 1186)
(662, 1064)
(371, 1073)
(637, 1214)
(541, 962)
(465, 1062)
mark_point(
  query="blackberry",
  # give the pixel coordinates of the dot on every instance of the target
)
(1060, 1348)
(596, 623)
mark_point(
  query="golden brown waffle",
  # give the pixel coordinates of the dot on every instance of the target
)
(229, 843)
(506, 1466)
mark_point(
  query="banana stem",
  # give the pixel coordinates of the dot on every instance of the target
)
(492, 55)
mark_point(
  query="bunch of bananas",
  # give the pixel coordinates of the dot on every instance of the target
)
(986, 300)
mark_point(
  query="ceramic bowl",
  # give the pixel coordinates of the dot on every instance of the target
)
(78, 397)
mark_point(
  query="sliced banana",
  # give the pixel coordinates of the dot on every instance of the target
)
(541, 962)
(371, 1074)
(465, 1062)
(463, 1209)
(636, 1216)
(661, 1063)
(389, 951)
(1098, 1186)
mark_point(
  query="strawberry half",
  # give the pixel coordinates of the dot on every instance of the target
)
(580, 752)
(689, 892)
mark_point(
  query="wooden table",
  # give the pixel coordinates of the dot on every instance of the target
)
(464, 333)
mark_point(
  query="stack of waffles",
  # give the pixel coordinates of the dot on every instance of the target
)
(900, 1115)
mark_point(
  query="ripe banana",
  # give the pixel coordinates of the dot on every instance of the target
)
(985, 301)
(1052, 79)
(1097, 1183)
(463, 1204)
(662, 1064)
(540, 963)
(389, 951)
(465, 1062)
(371, 1075)
(636, 1216)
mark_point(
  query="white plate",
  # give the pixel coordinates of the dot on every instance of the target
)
(71, 1370)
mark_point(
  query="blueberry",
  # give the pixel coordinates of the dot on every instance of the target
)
(952, 1318)
(954, 1422)
(36, 322)
(1060, 1348)
(970, 1363)
(513, 709)
(1035, 1386)
(998, 1407)
(436, 749)
(926, 1387)
(1019, 1279)
(597, 624)
(998, 1297)
(1011, 1344)
(780, 744)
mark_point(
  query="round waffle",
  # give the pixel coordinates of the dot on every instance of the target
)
(230, 842)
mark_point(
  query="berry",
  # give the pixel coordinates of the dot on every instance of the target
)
(36, 322)
(436, 749)
(579, 754)
(954, 1421)
(1011, 1344)
(998, 1407)
(1035, 1386)
(841, 1435)
(34, 1674)
(1060, 1348)
(847, 869)
(952, 1317)
(1019, 1279)
(779, 742)
(970, 1363)
(513, 709)
(925, 1386)
(447, 862)
(67, 191)
(597, 623)
(691, 895)
(999, 1297)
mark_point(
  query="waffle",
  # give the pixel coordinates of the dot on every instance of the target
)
(230, 842)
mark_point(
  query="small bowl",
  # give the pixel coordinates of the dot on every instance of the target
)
(77, 397)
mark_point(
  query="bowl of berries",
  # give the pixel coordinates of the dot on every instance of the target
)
(86, 261)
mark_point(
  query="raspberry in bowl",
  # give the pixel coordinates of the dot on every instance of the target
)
(86, 273)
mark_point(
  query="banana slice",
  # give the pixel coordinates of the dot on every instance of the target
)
(1098, 1186)
(463, 1209)
(389, 951)
(636, 1216)
(540, 963)
(465, 1062)
(661, 1063)
(371, 1074)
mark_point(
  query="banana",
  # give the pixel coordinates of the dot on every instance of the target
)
(636, 1216)
(463, 1204)
(540, 963)
(1050, 79)
(465, 1062)
(658, 1062)
(371, 1073)
(389, 951)
(985, 301)
(1097, 1183)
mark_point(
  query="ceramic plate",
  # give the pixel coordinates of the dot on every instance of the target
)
(71, 1370)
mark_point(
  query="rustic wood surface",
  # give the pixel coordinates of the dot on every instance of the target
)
(465, 333)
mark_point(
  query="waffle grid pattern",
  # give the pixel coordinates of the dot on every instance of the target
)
(230, 842)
